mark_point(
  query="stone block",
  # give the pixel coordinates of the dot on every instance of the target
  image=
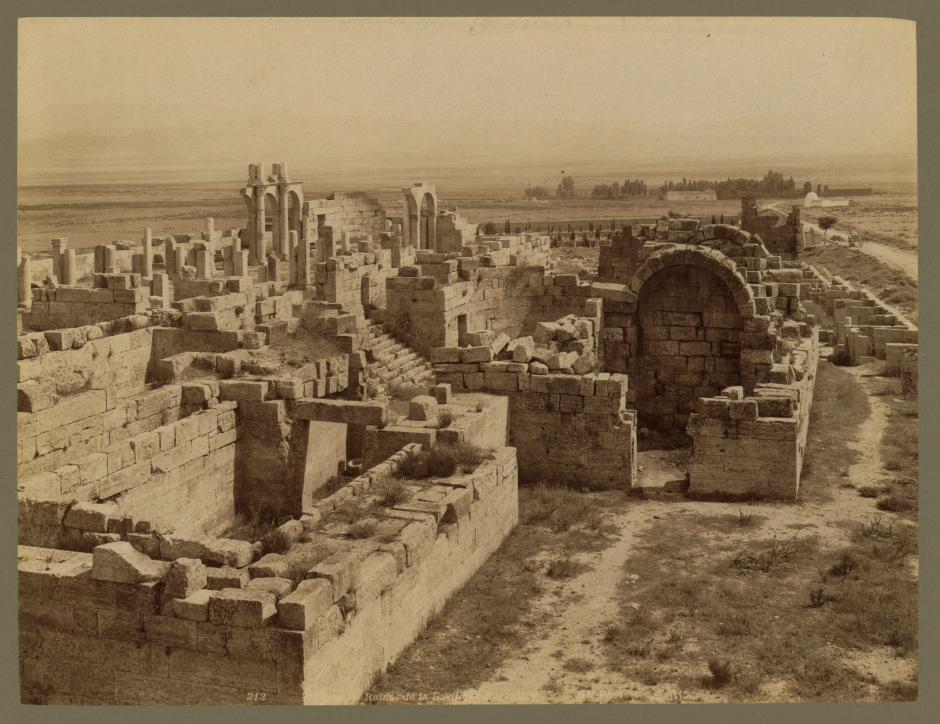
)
(340, 569)
(92, 517)
(441, 393)
(300, 609)
(423, 408)
(272, 565)
(280, 587)
(241, 607)
(120, 562)
(185, 577)
(226, 577)
(194, 607)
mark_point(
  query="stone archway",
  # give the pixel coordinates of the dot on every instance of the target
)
(688, 320)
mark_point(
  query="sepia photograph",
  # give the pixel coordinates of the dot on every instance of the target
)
(381, 361)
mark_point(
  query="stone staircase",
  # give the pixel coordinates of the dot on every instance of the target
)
(394, 362)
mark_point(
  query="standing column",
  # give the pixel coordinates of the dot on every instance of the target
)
(69, 267)
(24, 279)
(240, 262)
(146, 269)
(292, 257)
(58, 246)
(110, 259)
(210, 229)
(204, 263)
(258, 253)
(303, 264)
(283, 240)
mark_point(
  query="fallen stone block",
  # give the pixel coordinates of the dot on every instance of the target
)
(340, 569)
(423, 408)
(226, 577)
(120, 562)
(280, 587)
(272, 565)
(185, 577)
(241, 607)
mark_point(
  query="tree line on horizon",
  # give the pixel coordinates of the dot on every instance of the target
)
(773, 183)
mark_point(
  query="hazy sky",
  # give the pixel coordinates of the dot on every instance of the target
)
(217, 93)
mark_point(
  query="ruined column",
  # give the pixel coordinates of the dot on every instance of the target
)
(345, 240)
(240, 262)
(110, 259)
(69, 267)
(283, 239)
(292, 256)
(259, 252)
(146, 269)
(328, 247)
(24, 278)
(59, 245)
(274, 268)
(204, 259)
(210, 228)
(303, 264)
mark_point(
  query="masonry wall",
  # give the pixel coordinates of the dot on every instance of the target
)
(76, 306)
(753, 446)
(73, 401)
(687, 331)
(169, 462)
(355, 213)
(89, 641)
(506, 300)
(557, 420)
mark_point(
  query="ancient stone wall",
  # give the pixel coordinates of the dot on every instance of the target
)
(62, 307)
(506, 300)
(196, 632)
(753, 445)
(358, 214)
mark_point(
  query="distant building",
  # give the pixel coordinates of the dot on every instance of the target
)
(812, 200)
(706, 195)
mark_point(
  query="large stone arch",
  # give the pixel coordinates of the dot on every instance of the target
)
(691, 304)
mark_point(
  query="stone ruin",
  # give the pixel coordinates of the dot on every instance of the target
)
(174, 395)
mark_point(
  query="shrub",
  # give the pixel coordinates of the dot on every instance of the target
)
(442, 461)
(737, 624)
(844, 566)
(818, 597)
(561, 568)
(578, 666)
(393, 493)
(275, 541)
(722, 672)
(364, 528)
(444, 418)
(469, 456)
(894, 503)
(870, 491)
(414, 466)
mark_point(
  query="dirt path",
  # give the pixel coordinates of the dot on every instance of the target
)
(564, 662)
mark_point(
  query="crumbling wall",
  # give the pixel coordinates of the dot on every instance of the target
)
(63, 307)
(753, 445)
(780, 236)
(202, 633)
(356, 213)
(506, 300)
(555, 418)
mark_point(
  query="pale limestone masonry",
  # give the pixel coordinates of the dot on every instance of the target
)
(207, 435)
(86, 638)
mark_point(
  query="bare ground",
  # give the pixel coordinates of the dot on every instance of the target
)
(579, 638)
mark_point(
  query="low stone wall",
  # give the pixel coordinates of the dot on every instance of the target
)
(753, 446)
(183, 633)
(76, 306)
(555, 419)
(172, 472)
